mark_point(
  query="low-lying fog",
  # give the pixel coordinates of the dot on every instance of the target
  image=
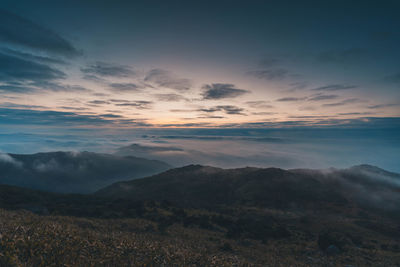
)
(285, 148)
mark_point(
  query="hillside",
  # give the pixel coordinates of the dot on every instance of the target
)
(198, 186)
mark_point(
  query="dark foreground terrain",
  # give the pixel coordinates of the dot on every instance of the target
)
(205, 216)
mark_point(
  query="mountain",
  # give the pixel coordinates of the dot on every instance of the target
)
(206, 216)
(73, 172)
(202, 186)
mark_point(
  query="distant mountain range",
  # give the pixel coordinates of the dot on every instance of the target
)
(70, 172)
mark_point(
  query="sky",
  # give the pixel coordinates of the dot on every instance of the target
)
(115, 67)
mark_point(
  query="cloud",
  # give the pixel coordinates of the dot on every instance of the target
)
(98, 102)
(222, 90)
(58, 87)
(106, 69)
(16, 89)
(270, 74)
(356, 113)
(34, 87)
(344, 102)
(14, 105)
(210, 117)
(264, 113)
(11, 116)
(290, 99)
(228, 109)
(323, 97)
(334, 87)
(124, 87)
(13, 68)
(6, 158)
(167, 79)
(93, 78)
(23, 32)
(139, 104)
(393, 78)
(259, 104)
(28, 56)
(170, 97)
(199, 151)
(268, 62)
(297, 86)
(182, 110)
(383, 106)
(345, 56)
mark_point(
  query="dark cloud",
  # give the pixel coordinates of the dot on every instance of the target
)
(383, 106)
(73, 108)
(268, 62)
(13, 68)
(322, 97)
(222, 90)
(58, 87)
(270, 74)
(297, 86)
(259, 104)
(37, 117)
(211, 117)
(98, 102)
(93, 78)
(23, 32)
(264, 113)
(346, 56)
(228, 109)
(139, 104)
(14, 105)
(16, 89)
(393, 78)
(344, 102)
(124, 87)
(107, 70)
(334, 87)
(170, 97)
(182, 110)
(356, 113)
(40, 86)
(28, 56)
(290, 99)
(167, 79)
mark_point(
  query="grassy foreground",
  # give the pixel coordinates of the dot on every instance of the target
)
(27, 239)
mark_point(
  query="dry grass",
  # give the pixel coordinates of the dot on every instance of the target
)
(31, 240)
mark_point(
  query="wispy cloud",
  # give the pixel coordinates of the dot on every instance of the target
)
(344, 102)
(167, 79)
(20, 31)
(335, 87)
(107, 69)
(10, 116)
(290, 99)
(259, 104)
(383, 106)
(138, 104)
(322, 97)
(170, 97)
(345, 56)
(125, 87)
(13, 68)
(393, 78)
